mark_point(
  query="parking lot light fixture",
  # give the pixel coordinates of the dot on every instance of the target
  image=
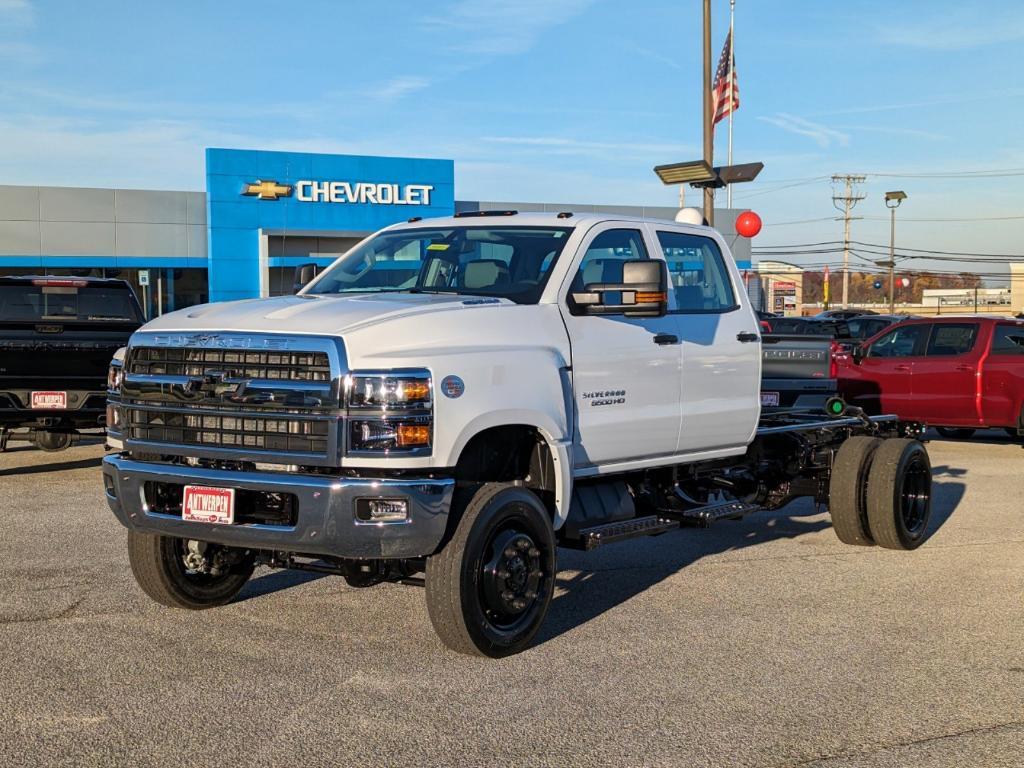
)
(685, 173)
(892, 202)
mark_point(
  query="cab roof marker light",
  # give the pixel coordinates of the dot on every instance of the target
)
(471, 214)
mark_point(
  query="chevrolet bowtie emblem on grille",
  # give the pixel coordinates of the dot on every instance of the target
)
(213, 384)
(267, 190)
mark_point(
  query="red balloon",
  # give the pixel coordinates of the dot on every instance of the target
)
(748, 224)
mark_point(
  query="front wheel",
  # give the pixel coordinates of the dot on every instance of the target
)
(489, 588)
(180, 573)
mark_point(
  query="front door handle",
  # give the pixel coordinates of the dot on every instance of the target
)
(666, 338)
(746, 336)
(902, 368)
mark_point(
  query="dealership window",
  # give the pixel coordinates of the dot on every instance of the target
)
(700, 281)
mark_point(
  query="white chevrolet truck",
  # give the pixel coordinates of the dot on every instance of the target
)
(454, 399)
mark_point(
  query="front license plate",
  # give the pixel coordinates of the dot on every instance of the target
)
(203, 504)
(49, 400)
(769, 399)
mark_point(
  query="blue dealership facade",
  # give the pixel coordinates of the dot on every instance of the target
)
(262, 214)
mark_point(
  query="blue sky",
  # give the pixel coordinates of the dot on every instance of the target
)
(556, 100)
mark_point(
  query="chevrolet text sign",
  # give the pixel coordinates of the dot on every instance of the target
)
(362, 192)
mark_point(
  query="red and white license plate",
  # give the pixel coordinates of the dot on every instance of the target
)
(769, 399)
(203, 504)
(49, 400)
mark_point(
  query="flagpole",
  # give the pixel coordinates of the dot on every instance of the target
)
(732, 85)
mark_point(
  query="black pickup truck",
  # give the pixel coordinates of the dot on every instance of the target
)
(57, 337)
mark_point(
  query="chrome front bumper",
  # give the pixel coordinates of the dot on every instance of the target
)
(325, 525)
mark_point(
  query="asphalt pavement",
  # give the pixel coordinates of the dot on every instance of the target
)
(763, 642)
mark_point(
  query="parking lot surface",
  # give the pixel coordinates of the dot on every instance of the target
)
(757, 643)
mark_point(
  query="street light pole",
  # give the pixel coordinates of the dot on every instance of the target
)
(709, 136)
(892, 202)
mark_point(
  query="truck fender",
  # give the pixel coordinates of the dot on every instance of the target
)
(553, 435)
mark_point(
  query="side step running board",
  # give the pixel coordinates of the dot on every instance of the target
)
(598, 535)
(704, 516)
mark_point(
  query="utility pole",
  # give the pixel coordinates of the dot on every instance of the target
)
(849, 199)
(709, 129)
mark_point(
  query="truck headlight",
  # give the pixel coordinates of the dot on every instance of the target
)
(406, 389)
(390, 412)
(115, 373)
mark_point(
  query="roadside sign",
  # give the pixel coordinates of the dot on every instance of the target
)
(143, 277)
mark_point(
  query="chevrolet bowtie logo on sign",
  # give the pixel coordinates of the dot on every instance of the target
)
(267, 190)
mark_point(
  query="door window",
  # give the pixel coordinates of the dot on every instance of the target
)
(699, 280)
(899, 342)
(951, 339)
(602, 263)
(1008, 340)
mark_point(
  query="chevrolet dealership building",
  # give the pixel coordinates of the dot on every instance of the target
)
(262, 214)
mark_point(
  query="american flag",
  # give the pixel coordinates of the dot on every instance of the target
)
(725, 94)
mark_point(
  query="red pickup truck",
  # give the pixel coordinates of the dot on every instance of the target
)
(956, 373)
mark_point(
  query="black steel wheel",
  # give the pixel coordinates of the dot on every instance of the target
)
(899, 494)
(847, 490)
(489, 588)
(182, 574)
(956, 433)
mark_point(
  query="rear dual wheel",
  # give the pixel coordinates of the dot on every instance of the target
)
(880, 492)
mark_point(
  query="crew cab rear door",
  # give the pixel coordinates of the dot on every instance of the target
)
(626, 371)
(945, 377)
(720, 342)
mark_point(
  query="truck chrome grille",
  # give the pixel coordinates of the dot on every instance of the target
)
(235, 397)
(222, 431)
(247, 364)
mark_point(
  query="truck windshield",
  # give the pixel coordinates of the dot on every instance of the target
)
(65, 301)
(507, 262)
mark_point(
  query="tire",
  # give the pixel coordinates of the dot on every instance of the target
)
(158, 566)
(1013, 432)
(847, 490)
(899, 494)
(489, 588)
(956, 433)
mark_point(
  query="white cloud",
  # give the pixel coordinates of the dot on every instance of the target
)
(608, 150)
(508, 27)
(16, 12)
(397, 87)
(955, 31)
(822, 135)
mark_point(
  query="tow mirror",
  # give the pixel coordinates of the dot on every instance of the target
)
(643, 292)
(304, 275)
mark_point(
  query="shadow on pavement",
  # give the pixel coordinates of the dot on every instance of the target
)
(38, 469)
(275, 581)
(610, 577)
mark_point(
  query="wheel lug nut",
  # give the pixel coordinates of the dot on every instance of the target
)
(510, 552)
(530, 595)
(536, 574)
(502, 574)
(507, 595)
(519, 605)
(523, 544)
(534, 552)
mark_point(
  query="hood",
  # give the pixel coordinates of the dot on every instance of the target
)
(328, 315)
